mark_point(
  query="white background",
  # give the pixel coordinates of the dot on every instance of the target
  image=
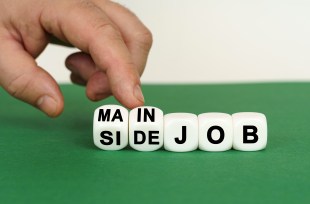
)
(217, 41)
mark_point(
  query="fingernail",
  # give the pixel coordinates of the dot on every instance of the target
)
(138, 93)
(47, 104)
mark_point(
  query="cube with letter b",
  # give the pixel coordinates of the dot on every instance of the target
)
(250, 131)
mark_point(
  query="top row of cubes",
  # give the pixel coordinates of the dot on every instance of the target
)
(146, 128)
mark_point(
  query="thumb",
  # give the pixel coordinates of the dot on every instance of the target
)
(22, 78)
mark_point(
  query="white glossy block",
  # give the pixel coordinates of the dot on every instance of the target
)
(146, 128)
(215, 132)
(110, 127)
(181, 132)
(250, 131)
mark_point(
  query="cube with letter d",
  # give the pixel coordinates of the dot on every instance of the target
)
(146, 128)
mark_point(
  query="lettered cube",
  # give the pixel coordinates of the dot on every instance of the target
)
(215, 132)
(146, 128)
(110, 127)
(181, 132)
(250, 131)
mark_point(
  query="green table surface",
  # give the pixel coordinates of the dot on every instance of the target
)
(45, 160)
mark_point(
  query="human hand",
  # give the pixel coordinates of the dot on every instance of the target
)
(114, 45)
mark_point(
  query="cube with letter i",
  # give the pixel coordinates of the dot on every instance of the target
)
(110, 130)
(146, 128)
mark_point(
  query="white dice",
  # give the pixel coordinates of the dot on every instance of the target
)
(181, 132)
(250, 131)
(147, 129)
(110, 130)
(215, 132)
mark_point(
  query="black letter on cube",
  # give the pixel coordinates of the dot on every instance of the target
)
(246, 133)
(146, 115)
(153, 137)
(183, 138)
(105, 115)
(136, 141)
(107, 135)
(209, 135)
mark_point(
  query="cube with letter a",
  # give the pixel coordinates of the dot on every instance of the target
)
(110, 127)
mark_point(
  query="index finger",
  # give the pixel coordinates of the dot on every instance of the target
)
(86, 26)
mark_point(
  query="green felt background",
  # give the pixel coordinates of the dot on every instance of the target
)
(46, 160)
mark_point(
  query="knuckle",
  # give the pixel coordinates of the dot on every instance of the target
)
(86, 4)
(98, 22)
(145, 39)
(105, 27)
(18, 86)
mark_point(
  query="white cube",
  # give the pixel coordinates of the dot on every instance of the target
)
(181, 132)
(110, 127)
(215, 132)
(250, 131)
(146, 128)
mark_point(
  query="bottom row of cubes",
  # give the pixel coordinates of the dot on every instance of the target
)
(146, 128)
